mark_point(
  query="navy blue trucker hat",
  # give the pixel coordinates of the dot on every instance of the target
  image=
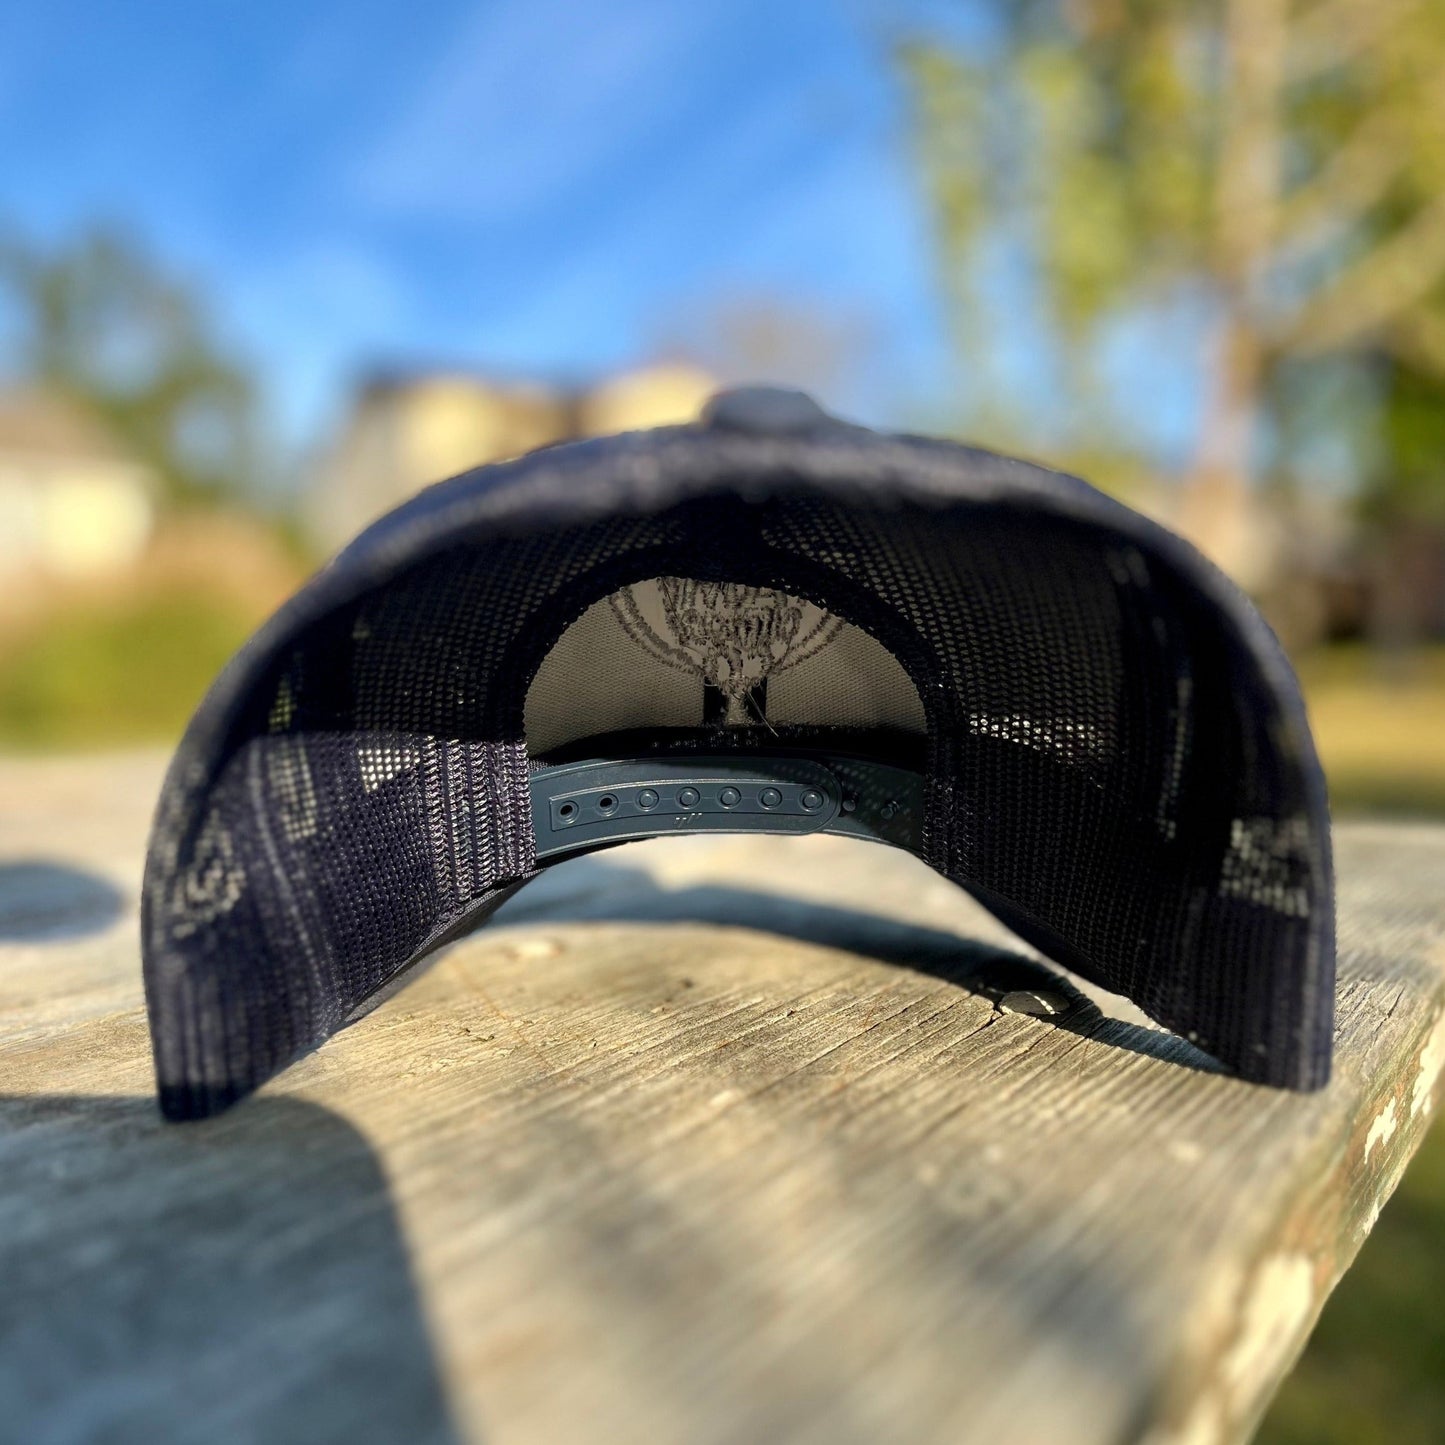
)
(769, 621)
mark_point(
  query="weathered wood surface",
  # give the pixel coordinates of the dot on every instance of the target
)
(705, 1141)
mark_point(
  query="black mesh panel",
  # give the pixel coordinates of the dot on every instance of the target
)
(1105, 770)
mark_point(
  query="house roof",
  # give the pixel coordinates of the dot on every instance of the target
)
(39, 422)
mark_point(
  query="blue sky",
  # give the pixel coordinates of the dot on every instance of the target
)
(531, 186)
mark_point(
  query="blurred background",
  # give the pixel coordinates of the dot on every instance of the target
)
(266, 269)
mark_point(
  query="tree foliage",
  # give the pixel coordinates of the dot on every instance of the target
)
(99, 321)
(1282, 159)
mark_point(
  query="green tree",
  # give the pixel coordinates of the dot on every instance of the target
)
(98, 320)
(1284, 160)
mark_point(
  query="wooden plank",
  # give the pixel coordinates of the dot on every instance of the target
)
(712, 1140)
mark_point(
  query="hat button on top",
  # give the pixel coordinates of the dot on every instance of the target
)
(765, 411)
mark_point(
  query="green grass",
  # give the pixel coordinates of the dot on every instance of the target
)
(1380, 726)
(130, 673)
(1374, 1370)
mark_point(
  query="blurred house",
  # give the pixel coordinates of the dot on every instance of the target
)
(74, 504)
(653, 396)
(1238, 527)
(406, 431)
(1298, 553)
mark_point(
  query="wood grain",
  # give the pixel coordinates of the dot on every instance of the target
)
(711, 1140)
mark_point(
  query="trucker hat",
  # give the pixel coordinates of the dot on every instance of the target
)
(769, 621)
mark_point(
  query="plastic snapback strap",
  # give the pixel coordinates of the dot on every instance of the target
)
(577, 807)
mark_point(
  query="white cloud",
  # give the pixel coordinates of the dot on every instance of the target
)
(534, 96)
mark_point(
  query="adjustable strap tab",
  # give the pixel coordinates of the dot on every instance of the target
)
(580, 806)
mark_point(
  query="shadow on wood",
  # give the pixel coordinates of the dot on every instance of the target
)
(242, 1280)
(41, 899)
(598, 891)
